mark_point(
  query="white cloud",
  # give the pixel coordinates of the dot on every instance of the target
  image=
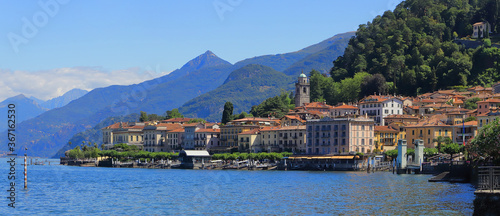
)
(53, 83)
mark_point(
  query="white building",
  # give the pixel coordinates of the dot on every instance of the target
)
(380, 106)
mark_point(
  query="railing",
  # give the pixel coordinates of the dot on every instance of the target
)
(489, 178)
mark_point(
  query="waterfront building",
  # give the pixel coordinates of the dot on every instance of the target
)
(129, 133)
(229, 136)
(248, 141)
(344, 110)
(269, 139)
(427, 130)
(206, 138)
(380, 106)
(189, 132)
(386, 137)
(302, 90)
(175, 139)
(292, 139)
(155, 136)
(340, 135)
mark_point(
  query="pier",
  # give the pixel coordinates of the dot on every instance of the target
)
(487, 200)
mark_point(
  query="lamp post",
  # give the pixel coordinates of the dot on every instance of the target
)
(25, 168)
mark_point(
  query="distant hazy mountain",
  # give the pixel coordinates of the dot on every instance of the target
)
(244, 88)
(38, 101)
(67, 97)
(190, 85)
(47, 133)
(25, 108)
(94, 135)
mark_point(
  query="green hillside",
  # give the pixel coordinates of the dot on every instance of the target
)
(413, 46)
(244, 87)
(322, 59)
(282, 62)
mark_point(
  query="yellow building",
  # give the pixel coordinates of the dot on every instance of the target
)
(229, 136)
(427, 131)
(248, 141)
(385, 138)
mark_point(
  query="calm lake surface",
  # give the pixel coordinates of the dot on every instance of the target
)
(65, 190)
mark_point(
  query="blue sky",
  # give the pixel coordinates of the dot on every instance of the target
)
(74, 40)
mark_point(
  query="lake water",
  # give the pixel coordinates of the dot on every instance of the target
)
(65, 190)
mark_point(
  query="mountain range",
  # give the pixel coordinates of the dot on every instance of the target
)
(203, 79)
(27, 108)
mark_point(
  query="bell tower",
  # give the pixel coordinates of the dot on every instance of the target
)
(302, 88)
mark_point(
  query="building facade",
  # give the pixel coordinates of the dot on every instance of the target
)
(204, 139)
(340, 135)
(380, 106)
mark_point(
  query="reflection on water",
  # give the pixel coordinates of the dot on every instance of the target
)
(88, 190)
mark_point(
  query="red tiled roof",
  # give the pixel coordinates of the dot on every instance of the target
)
(385, 129)
(471, 123)
(490, 101)
(191, 124)
(208, 130)
(317, 105)
(345, 107)
(250, 132)
(270, 128)
(177, 120)
(256, 119)
(181, 130)
(400, 116)
(376, 98)
(297, 127)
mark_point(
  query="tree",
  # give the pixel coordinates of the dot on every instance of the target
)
(441, 140)
(452, 148)
(470, 118)
(227, 113)
(430, 151)
(144, 117)
(154, 117)
(393, 154)
(174, 113)
(471, 103)
(196, 120)
(486, 143)
(487, 42)
(373, 84)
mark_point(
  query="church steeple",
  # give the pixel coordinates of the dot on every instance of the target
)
(302, 88)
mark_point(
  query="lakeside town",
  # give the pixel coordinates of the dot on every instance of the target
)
(373, 125)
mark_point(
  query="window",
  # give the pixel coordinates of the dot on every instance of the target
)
(305, 90)
(429, 132)
(412, 132)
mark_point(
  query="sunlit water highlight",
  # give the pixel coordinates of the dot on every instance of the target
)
(65, 190)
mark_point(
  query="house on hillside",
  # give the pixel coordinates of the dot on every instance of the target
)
(479, 29)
